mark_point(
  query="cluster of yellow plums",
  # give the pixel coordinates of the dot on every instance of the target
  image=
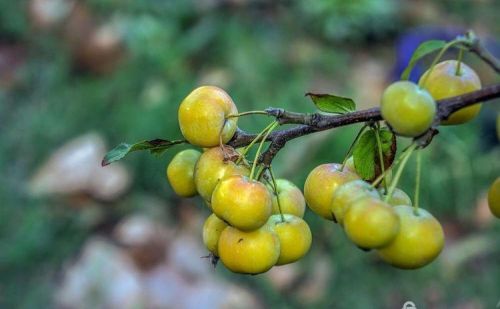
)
(404, 236)
(257, 223)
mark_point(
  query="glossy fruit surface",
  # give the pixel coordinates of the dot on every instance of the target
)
(443, 82)
(291, 199)
(243, 203)
(180, 172)
(370, 223)
(250, 252)
(212, 167)
(419, 241)
(399, 197)
(321, 184)
(494, 198)
(212, 228)
(348, 193)
(295, 237)
(407, 108)
(202, 116)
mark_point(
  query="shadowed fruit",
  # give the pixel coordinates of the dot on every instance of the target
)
(212, 167)
(348, 193)
(212, 229)
(419, 241)
(252, 252)
(321, 184)
(407, 108)
(180, 172)
(295, 237)
(291, 199)
(244, 203)
(444, 82)
(494, 198)
(371, 223)
(202, 116)
(399, 197)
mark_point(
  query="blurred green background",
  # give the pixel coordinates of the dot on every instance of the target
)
(107, 71)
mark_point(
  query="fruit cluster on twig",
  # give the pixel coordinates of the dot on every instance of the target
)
(257, 220)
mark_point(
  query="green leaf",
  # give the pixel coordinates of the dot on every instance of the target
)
(155, 146)
(366, 155)
(332, 104)
(422, 50)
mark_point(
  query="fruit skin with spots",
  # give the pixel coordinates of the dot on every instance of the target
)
(212, 167)
(212, 228)
(419, 241)
(347, 194)
(291, 199)
(203, 117)
(321, 184)
(243, 203)
(407, 108)
(494, 198)
(443, 82)
(295, 237)
(371, 223)
(180, 172)
(251, 252)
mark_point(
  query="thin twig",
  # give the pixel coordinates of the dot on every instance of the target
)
(310, 123)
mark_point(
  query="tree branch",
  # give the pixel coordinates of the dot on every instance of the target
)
(478, 48)
(315, 122)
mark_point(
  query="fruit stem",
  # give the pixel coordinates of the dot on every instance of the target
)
(401, 167)
(438, 57)
(260, 172)
(271, 128)
(275, 188)
(417, 183)
(380, 154)
(247, 148)
(247, 113)
(459, 62)
(349, 151)
(396, 162)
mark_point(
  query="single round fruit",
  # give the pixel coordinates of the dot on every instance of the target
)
(407, 108)
(295, 237)
(348, 193)
(494, 198)
(321, 184)
(203, 116)
(371, 223)
(212, 229)
(291, 199)
(399, 197)
(419, 241)
(212, 168)
(252, 252)
(180, 172)
(443, 82)
(243, 203)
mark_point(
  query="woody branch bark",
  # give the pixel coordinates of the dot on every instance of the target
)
(310, 123)
(315, 122)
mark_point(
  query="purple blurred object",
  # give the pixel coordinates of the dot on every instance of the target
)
(411, 39)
